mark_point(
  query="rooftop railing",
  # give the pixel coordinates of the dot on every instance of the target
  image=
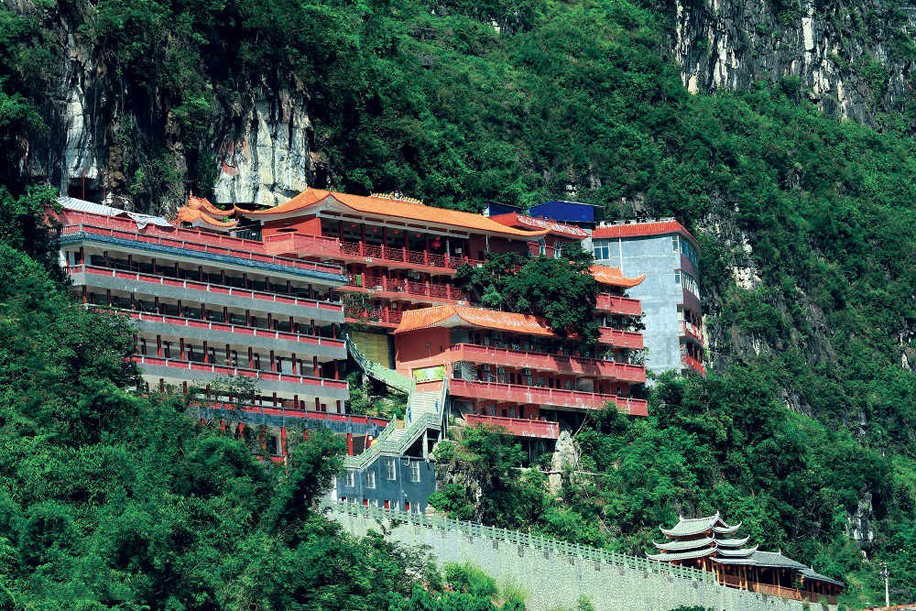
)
(533, 542)
(185, 239)
(208, 287)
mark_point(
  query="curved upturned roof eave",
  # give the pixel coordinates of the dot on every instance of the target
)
(737, 553)
(691, 555)
(677, 545)
(732, 542)
(726, 530)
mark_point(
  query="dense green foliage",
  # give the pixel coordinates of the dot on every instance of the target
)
(109, 499)
(560, 289)
(707, 446)
(567, 100)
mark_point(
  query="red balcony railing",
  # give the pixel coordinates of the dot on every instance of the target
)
(228, 370)
(520, 427)
(207, 287)
(379, 316)
(310, 246)
(536, 395)
(180, 321)
(620, 339)
(185, 239)
(693, 363)
(398, 288)
(692, 331)
(618, 305)
(547, 362)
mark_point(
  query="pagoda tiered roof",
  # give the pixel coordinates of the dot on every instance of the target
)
(684, 544)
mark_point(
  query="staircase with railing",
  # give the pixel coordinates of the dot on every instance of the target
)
(425, 410)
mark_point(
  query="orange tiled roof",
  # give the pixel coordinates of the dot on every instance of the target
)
(200, 211)
(631, 230)
(186, 214)
(203, 204)
(396, 208)
(612, 276)
(458, 316)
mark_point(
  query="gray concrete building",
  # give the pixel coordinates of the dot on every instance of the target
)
(668, 255)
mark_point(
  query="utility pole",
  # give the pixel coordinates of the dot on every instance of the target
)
(885, 575)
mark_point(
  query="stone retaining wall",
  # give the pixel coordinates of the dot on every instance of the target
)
(552, 579)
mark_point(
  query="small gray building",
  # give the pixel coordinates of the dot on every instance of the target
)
(663, 250)
(391, 482)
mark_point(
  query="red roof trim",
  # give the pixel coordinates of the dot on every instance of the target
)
(635, 230)
(521, 221)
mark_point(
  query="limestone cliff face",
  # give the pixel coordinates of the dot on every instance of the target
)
(99, 132)
(266, 158)
(845, 53)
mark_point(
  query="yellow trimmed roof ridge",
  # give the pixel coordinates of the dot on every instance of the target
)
(394, 208)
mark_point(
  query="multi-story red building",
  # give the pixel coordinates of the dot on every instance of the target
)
(512, 370)
(209, 307)
(389, 263)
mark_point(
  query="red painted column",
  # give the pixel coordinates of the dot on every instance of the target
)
(181, 348)
(241, 429)
(315, 366)
(159, 346)
(283, 447)
(206, 353)
(349, 444)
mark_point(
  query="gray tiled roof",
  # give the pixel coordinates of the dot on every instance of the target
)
(680, 545)
(764, 559)
(697, 553)
(736, 553)
(812, 574)
(732, 542)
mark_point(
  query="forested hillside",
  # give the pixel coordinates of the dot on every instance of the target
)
(807, 222)
(110, 500)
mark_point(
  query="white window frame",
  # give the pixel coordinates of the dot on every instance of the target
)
(415, 475)
(370, 480)
(391, 469)
(351, 479)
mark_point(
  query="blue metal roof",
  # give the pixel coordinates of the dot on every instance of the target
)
(565, 212)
